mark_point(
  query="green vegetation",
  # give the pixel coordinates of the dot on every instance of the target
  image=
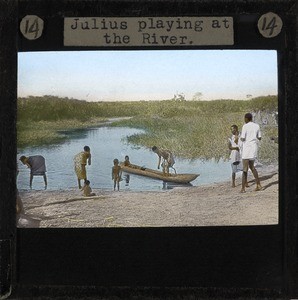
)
(36, 133)
(191, 129)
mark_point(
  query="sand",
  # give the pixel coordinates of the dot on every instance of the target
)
(210, 205)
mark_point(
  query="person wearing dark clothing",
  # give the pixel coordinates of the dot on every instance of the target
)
(37, 167)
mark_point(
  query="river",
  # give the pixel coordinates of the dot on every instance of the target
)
(107, 143)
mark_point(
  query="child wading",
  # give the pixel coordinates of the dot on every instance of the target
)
(126, 161)
(116, 173)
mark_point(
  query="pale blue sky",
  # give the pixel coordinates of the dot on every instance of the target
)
(148, 75)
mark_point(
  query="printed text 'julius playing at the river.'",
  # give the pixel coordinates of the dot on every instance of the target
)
(151, 31)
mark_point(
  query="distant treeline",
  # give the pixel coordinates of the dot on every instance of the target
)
(51, 108)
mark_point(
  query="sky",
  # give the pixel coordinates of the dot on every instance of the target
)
(148, 74)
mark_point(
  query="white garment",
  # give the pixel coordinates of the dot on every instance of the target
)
(250, 136)
(235, 154)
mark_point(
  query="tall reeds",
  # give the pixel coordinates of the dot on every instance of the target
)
(191, 129)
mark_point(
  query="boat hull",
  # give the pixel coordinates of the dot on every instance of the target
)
(142, 171)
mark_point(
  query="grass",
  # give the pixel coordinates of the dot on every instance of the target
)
(38, 133)
(203, 137)
(191, 129)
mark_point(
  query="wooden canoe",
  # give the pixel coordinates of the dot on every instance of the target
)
(143, 171)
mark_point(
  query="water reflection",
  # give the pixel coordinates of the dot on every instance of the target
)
(127, 178)
(171, 185)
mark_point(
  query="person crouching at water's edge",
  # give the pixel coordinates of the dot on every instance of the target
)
(87, 191)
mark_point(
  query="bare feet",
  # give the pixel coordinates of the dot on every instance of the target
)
(242, 191)
(258, 188)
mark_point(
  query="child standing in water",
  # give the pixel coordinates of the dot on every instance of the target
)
(87, 191)
(116, 173)
(126, 161)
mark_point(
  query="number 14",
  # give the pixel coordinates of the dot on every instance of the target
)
(271, 25)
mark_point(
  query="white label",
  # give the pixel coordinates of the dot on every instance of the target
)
(270, 25)
(31, 27)
(148, 31)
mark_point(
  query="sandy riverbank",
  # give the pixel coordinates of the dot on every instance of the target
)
(211, 205)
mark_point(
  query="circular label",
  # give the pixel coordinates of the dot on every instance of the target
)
(31, 27)
(270, 25)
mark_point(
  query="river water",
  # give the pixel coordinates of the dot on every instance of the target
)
(107, 143)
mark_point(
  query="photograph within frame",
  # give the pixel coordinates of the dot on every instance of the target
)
(183, 100)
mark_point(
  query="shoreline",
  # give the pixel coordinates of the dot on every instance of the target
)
(216, 204)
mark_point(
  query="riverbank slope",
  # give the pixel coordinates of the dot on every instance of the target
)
(211, 205)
